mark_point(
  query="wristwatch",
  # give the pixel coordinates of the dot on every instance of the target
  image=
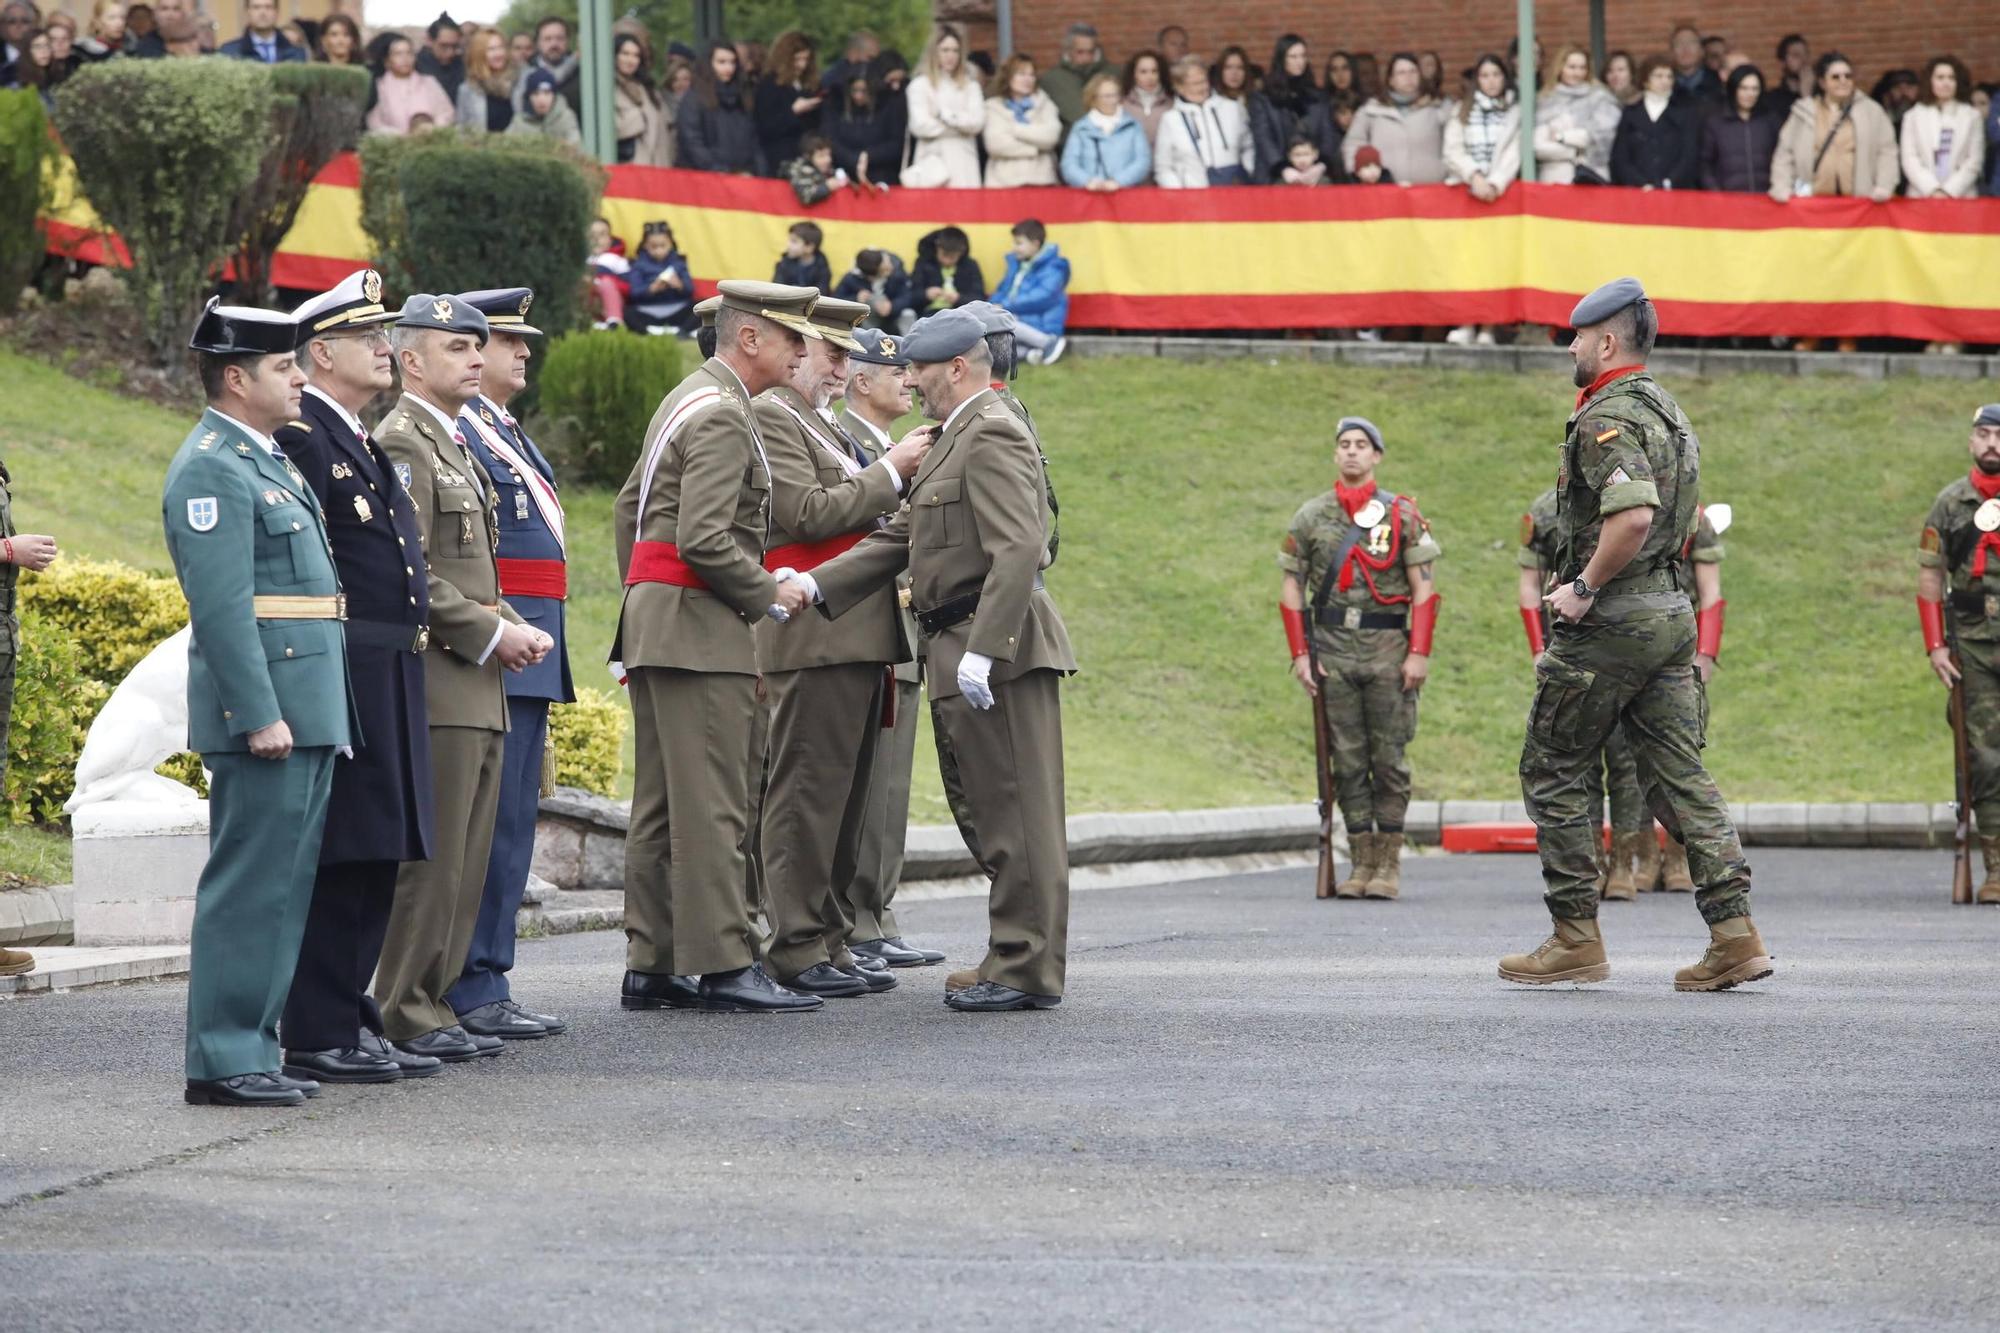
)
(1584, 590)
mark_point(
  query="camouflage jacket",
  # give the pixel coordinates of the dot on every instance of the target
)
(1538, 542)
(1948, 542)
(1382, 581)
(1626, 446)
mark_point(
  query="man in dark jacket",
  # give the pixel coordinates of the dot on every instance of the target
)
(261, 39)
(552, 53)
(443, 56)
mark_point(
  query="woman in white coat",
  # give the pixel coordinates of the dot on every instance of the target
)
(1022, 128)
(947, 113)
(1482, 152)
(1576, 123)
(1204, 139)
(1944, 144)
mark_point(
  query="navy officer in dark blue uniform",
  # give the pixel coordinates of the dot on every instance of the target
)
(534, 580)
(380, 812)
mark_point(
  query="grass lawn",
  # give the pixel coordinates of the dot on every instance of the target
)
(32, 856)
(1177, 481)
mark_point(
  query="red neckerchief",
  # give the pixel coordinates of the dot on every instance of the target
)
(1988, 487)
(1616, 372)
(1352, 498)
(998, 386)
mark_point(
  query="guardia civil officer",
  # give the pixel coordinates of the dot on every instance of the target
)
(268, 703)
(534, 581)
(1621, 652)
(875, 399)
(379, 814)
(828, 681)
(1958, 581)
(690, 527)
(974, 535)
(439, 343)
(1360, 606)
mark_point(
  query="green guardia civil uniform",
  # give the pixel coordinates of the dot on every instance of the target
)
(10, 624)
(1629, 662)
(1620, 787)
(1360, 636)
(249, 547)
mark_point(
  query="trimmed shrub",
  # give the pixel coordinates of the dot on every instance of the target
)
(599, 393)
(163, 148)
(25, 151)
(589, 738)
(315, 112)
(54, 704)
(113, 613)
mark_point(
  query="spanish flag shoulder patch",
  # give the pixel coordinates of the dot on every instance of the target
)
(1607, 435)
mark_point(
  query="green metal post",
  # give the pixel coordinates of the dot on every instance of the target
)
(709, 24)
(1525, 78)
(1597, 37)
(594, 56)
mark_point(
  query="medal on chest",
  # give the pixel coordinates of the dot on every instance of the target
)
(361, 509)
(520, 506)
(1987, 517)
(1369, 514)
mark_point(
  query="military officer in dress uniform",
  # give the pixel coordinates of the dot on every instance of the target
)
(828, 681)
(379, 814)
(974, 535)
(876, 398)
(1958, 582)
(475, 636)
(18, 551)
(268, 704)
(1621, 653)
(690, 528)
(534, 580)
(1360, 607)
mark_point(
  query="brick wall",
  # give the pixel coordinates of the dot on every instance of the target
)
(1876, 36)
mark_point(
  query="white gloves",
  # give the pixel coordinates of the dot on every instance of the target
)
(973, 669)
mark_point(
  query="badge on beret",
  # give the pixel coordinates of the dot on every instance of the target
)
(442, 309)
(371, 285)
(204, 513)
(403, 474)
(1527, 529)
(1987, 517)
(888, 346)
(361, 509)
(1369, 514)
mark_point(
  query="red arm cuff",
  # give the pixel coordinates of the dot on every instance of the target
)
(1931, 616)
(1295, 629)
(1531, 620)
(1423, 625)
(1708, 631)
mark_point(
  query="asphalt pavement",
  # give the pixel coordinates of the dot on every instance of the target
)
(1253, 1110)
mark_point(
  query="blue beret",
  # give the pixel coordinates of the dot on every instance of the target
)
(1365, 426)
(1988, 415)
(447, 314)
(878, 349)
(942, 336)
(992, 318)
(1605, 302)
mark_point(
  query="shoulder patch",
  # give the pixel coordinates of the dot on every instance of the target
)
(403, 474)
(1607, 435)
(1930, 543)
(1291, 546)
(1618, 474)
(203, 513)
(1527, 529)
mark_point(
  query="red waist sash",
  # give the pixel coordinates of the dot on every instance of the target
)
(806, 556)
(533, 578)
(660, 562)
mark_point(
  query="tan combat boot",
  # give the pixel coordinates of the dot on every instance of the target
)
(1361, 847)
(1385, 879)
(1646, 856)
(1989, 892)
(1617, 885)
(1674, 874)
(962, 980)
(13, 962)
(1735, 955)
(1575, 952)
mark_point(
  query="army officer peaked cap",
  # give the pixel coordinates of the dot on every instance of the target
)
(446, 314)
(789, 306)
(942, 336)
(241, 330)
(505, 308)
(354, 303)
(705, 310)
(835, 319)
(1605, 302)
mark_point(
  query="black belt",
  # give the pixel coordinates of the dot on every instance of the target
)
(1353, 617)
(388, 634)
(953, 612)
(1971, 604)
(7, 599)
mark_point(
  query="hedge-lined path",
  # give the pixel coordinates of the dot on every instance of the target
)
(1254, 1109)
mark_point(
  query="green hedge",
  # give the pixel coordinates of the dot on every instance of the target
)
(25, 150)
(589, 738)
(113, 613)
(54, 704)
(599, 392)
(316, 111)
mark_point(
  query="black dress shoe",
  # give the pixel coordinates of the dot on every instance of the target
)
(348, 1064)
(413, 1066)
(307, 1087)
(258, 1089)
(890, 954)
(453, 1045)
(826, 980)
(930, 955)
(989, 997)
(866, 962)
(550, 1023)
(876, 981)
(496, 1020)
(487, 1045)
(750, 990)
(657, 990)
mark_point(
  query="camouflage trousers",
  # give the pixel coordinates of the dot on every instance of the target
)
(1638, 676)
(1372, 720)
(1619, 788)
(1980, 663)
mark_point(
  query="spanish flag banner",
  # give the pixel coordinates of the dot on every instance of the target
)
(1344, 256)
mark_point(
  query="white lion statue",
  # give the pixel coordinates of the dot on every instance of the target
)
(144, 722)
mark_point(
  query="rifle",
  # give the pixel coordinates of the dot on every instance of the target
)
(1961, 776)
(1323, 750)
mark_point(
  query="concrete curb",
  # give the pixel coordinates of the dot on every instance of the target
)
(67, 968)
(1686, 362)
(37, 916)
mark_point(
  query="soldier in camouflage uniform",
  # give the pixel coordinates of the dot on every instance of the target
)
(1631, 824)
(1960, 538)
(1701, 580)
(18, 551)
(1621, 652)
(1357, 568)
